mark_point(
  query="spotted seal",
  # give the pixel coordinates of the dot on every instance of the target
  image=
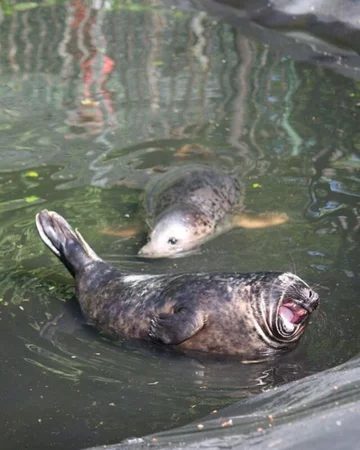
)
(189, 205)
(251, 315)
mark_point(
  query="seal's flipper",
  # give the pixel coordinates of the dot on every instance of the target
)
(175, 328)
(190, 149)
(123, 232)
(67, 244)
(263, 220)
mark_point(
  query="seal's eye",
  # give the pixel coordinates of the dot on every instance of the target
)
(310, 294)
(172, 241)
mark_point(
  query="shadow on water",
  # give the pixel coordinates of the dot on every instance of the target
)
(95, 100)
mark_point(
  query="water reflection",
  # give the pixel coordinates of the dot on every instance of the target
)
(96, 99)
(334, 194)
(78, 355)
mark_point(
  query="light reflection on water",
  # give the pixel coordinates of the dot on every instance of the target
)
(95, 103)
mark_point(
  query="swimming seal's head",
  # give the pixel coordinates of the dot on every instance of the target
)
(281, 313)
(178, 229)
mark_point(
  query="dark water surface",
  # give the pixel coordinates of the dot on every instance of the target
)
(94, 101)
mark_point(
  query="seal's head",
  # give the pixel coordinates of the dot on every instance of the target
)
(282, 312)
(178, 229)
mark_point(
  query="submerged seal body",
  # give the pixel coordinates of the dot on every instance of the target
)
(184, 208)
(251, 315)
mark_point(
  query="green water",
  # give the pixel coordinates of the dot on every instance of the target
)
(159, 79)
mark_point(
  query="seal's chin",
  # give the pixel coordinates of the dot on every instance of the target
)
(292, 314)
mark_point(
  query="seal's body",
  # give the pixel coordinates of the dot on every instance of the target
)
(251, 315)
(187, 206)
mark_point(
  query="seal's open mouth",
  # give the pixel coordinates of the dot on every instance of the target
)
(292, 313)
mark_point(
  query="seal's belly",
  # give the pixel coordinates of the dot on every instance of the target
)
(226, 343)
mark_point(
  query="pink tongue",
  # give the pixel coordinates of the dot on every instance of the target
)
(287, 314)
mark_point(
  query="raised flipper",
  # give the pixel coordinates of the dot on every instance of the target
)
(125, 232)
(175, 328)
(67, 244)
(263, 220)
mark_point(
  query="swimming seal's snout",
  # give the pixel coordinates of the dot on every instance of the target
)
(67, 244)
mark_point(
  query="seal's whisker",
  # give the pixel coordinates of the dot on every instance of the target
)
(320, 318)
(316, 286)
(294, 264)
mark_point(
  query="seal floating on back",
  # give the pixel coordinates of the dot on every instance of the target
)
(252, 315)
